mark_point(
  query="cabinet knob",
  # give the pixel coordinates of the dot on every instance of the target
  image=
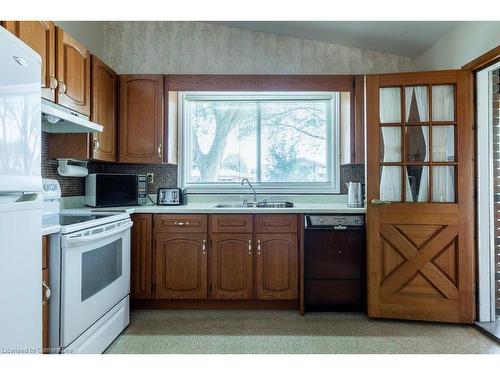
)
(96, 144)
(52, 82)
(62, 87)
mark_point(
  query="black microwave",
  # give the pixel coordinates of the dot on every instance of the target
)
(115, 189)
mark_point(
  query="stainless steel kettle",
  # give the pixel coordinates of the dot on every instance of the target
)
(355, 194)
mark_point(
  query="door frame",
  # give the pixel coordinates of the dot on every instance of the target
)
(485, 202)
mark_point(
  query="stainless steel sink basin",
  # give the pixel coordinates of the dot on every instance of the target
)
(262, 204)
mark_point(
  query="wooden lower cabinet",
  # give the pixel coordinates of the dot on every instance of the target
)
(181, 265)
(175, 257)
(141, 282)
(276, 266)
(231, 266)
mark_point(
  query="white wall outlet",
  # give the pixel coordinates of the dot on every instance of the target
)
(150, 178)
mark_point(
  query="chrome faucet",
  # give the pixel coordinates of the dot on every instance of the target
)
(251, 187)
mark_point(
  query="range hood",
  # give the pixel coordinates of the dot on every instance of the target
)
(57, 119)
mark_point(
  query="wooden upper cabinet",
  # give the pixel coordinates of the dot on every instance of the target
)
(41, 37)
(141, 281)
(73, 73)
(141, 119)
(232, 266)
(103, 110)
(277, 271)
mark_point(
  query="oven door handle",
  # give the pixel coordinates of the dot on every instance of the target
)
(91, 238)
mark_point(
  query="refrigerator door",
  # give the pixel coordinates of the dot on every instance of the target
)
(21, 274)
(20, 121)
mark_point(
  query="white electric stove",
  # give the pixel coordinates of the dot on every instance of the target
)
(89, 275)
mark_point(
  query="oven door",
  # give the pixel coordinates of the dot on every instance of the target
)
(95, 275)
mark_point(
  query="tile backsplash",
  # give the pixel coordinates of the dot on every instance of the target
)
(164, 175)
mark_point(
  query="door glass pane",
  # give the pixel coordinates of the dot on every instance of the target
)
(443, 183)
(417, 104)
(390, 104)
(390, 144)
(100, 267)
(443, 143)
(443, 103)
(417, 183)
(417, 143)
(390, 183)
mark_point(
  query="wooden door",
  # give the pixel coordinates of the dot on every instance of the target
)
(103, 110)
(276, 266)
(73, 73)
(141, 119)
(40, 36)
(232, 266)
(420, 213)
(181, 265)
(141, 281)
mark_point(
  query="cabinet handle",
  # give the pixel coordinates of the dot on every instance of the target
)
(96, 144)
(62, 87)
(181, 223)
(47, 292)
(159, 151)
(249, 247)
(204, 247)
(52, 82)
(258, 247)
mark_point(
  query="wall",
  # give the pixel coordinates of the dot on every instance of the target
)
(196, 47)
(89, 33)
(462, 44)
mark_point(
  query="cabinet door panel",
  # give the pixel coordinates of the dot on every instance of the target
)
(73, 73)
(181, 266)
(103, 110)
(276, 273)
(141, 255)
(232, 266)
(141, 119)
(41, 37)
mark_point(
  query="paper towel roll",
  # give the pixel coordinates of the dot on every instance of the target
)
(73, 171)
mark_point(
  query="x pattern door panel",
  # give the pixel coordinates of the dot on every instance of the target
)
(419, 261)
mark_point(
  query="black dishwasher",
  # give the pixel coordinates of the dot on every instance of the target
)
(335, 262)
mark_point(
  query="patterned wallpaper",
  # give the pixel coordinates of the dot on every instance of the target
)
(197, 47)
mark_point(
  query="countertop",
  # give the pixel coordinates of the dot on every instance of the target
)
(209, 208)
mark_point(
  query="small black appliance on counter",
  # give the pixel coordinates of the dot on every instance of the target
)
(169, 197)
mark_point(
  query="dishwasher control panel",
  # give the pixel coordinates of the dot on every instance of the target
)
(335, 220)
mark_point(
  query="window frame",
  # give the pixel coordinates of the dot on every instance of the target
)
(333, 148)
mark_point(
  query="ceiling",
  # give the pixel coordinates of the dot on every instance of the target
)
(409, 38)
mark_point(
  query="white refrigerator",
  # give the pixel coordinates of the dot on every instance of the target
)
(20, 201)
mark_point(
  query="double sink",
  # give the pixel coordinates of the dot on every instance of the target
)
(260, 204)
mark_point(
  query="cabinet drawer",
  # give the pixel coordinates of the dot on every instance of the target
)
(181, 223)
(231, 223)
(276, 223)
(45, 251)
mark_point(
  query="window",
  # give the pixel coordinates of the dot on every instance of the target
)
(283, 142)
